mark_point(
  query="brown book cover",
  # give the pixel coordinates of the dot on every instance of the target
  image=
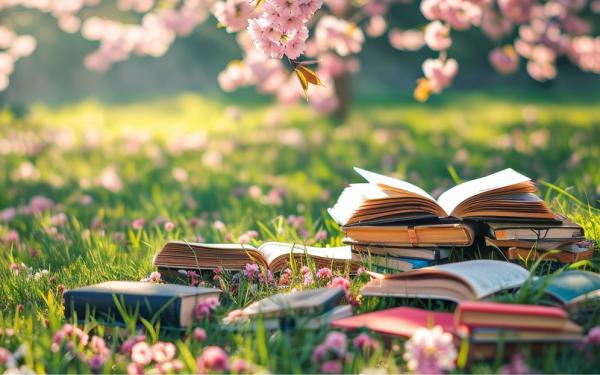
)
(274, 256)
(426, 235)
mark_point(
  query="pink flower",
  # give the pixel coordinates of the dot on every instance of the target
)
(338, 34)
(110, 180)
(199, 334)
(138, 224)
(321, 235)
(376, 26)
(319, 352)
(219, 225)
(324, 273)
(517, 366)
(163, 351)
(6, 357)
(439, 73)
(39, 203)
(135, 369)
(364, 342)
(155, 277)
(341, 282)
(205, 308)
(593, 337)
(244, 239)
(430, 351)
(410, 40)
(8, 214)
(141, 354)
(304, 270)
(233, 14)
(336, 342)
(212, 359)
(518, 11)
(251, 271)
(169, 226)
(332, 367)
(240, 366)
(11, 237)
(96, 362)
(307, 279)
(437, 36)
(505, 60)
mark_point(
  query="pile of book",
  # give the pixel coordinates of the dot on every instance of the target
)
(394, 224)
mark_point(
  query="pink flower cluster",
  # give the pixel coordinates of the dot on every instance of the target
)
(337, 34)
(12, 48)
(439, 73)
(162, 354)
(155, 277)
(365, 343)
(307, 276)
(505, 60)
(74, 336)
(233, 14)
(409, 40)
(324, 273)
(430, 351)
(212, 359)
(331, 353)
(248, 236)
(460, 14)
(281, 27)
(204, 309)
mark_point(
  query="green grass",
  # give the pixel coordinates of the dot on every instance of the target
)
(295, 163)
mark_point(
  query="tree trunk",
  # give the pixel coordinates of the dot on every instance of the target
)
(343, 90)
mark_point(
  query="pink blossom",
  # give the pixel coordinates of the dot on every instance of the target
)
(6, 357)
(505, 60)
(219, 225)
(96, 362)
(212, 359)
(169, 226)
(364, 342)
(518, 11)
(437, 36)
(324, 273)
(321, 235)
(240, 366)
(439, 73)
(11, 237)
(338, 34)
(135, 369)
(39, 203)
(376, 26)
(341, 282)
(110, 180)
(163, 352)
(251, 271)
(593, 337)
(307, 279)
(517, 366)
(205, 308)
(199, 334)
(430, 351)
(409, 40)
(138, 224)
(337, 342)
(141, 353)
(331, 367)
(233, 14)
(23, 46)
(236, 74)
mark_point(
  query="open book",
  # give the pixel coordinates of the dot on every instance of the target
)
(274, 256)
(506, 195)
(470, 280)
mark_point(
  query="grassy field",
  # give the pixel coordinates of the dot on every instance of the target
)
(90, 192)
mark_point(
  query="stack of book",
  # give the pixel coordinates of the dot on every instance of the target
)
(398, 225)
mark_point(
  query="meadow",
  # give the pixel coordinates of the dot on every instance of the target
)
(89, 192)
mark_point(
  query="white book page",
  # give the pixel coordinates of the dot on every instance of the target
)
(272, 250)
(376, 178)
(453, 197)
(487, 277)
(351, 199)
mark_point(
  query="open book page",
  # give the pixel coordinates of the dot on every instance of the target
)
(375, 178)
(272, 250)
(487, 277)
(351, 199)
(454, 196)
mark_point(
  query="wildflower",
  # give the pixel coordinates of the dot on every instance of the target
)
(324, 273)
(319, 352)
(336, 342)
(332, 367)
(219, 225)
(244, 239)
(96, 362)
(169, 226)
(8, 214)
(6, 357)
(593, 337)
(86, 200)
(437, 36)
(340, 282)
(138, 224)
(364, 342)
(251, 271)
(38, 204)
(11, 237)
(194, 278)
(204, 308)
(307, 279)
(430, 351)
(153, 278)
(321, 236)
(135, 369)
(516, 366)
(304, 270)
(505, 60)
(110, 180)
(200, 238)
(212, 359)
(240, 366)
(163, 352)
(170, 367)
(59, 219)
(199, 334)
(141, 354)
(284, 278)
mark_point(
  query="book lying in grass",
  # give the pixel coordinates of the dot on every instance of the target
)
(574, 289)
(565, 229)
(398, 321)
(274, 256)
(515, 253)
(478, 314)
(394, 263)
(309, 309)
(470, 280)
(507, 195)
(172, 304)
(429, 253)
(425, 235)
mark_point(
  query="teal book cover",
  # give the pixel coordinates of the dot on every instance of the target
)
(571, 285)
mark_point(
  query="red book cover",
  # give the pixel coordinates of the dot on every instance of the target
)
(510, 312)
(399, 321)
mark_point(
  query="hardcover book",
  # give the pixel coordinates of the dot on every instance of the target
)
(505, 195)
(423, 235)
(470, 280)
(172, 304)
(274, 256)
(429, 253)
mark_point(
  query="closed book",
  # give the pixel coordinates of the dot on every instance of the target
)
(398, 321)
(395, 263)
(515, 253)
(429, 253)
(425, 235)
(511, 316)
(572, 288)
(494, 335)
(172, 304)
(565, 230)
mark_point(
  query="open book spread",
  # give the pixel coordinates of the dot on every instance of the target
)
(470, 280)
(274, 256)
(505, 194)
